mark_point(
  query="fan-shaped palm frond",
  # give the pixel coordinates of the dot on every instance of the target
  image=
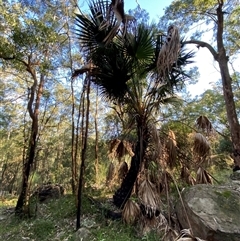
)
(90, 28)
(169, 52)
(149, 199)
(140, 44)
(186, 176)
(204, 124)
(201, 146)
(114, 70)
(169, 234)
(157, 224)
(119, 148)
(177, 76)
(203, 177)
(131, 212)
(186, 235)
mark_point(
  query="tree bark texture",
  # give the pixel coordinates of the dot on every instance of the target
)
(34, 113)
(124, 192)
(83, 152)
(221, 57)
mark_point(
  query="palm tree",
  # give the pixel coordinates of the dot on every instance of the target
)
(136, 66)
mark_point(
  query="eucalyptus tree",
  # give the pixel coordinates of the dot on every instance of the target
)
(224, 19)
(34, 46)
(134, 65)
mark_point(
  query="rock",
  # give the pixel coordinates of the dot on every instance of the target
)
(213, 211)
(82, 234)
(48, 191)
(235, 176)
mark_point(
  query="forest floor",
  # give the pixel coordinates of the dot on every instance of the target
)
(56, 220)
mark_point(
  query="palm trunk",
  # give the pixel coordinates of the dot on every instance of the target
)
(124, 192)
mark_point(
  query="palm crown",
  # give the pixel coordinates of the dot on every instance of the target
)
(134, 65)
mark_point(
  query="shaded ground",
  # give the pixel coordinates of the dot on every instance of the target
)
(56, 220)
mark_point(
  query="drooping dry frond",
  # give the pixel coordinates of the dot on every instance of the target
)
(110, 173)
(201, 146)
(131, 212)
(186, 235)
(154, 148)
(171, 146)
(123, 169)
(119, 148)
(114, 145)
(204, 124)
(166, 179)
(186, 176)
(170, 234)
(168, 54)
(203, 177)
(128, 148)
(153, 173)
(149, 198)
(157, 224)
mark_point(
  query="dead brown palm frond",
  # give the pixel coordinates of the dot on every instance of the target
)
(117, 8)
(154, 149)
(149, 198)
(171, 146)
(114, 145)
(123, 170)
(131, 212)
(169, 52)
(157, 224)
(186, 235)
(204, 124)
(166, 179)
(119, 148)
(128, 147)
(201, 146)
(186, 176)
(170, 234)
(203, 177)
(88, 67)
(110, 173)
(153, 173)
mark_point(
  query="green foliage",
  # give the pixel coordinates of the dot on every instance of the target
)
(42, 229)
(192, 14)
(55, 220)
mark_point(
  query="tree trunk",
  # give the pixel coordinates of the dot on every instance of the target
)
(19, 210)
(227, 89)
(73, 150)
(83, 152)
(221, 57)
(96, 140)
